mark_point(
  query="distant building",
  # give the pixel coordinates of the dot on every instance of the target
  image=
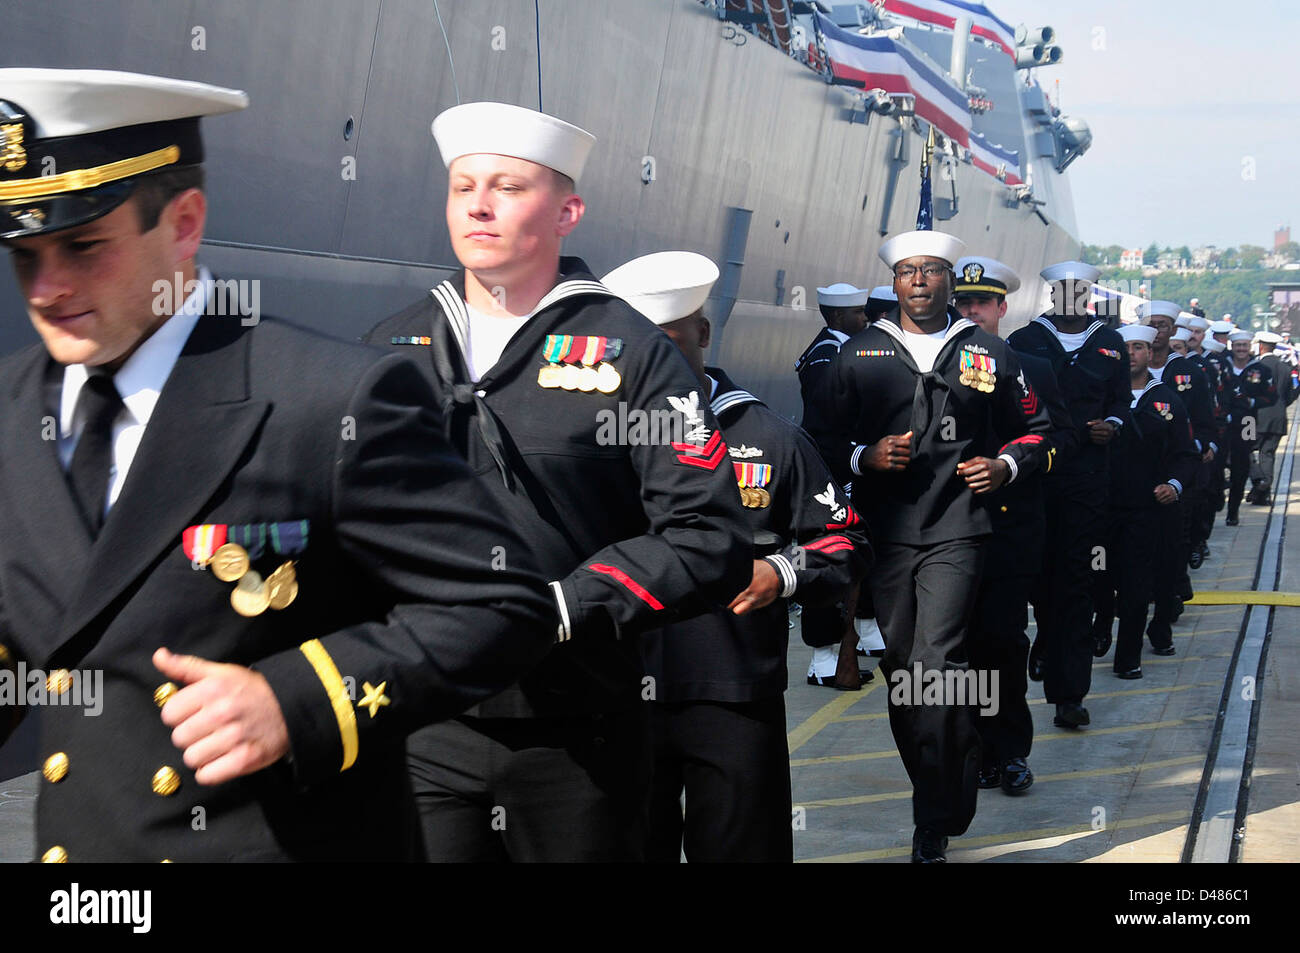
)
(1131, 259)
(1281, 235)
(1204, 256)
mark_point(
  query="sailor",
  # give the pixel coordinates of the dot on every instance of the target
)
(596, 441)
(997, 639)
(1091, 366)
(1178, 341)
(1201, 523)
(881, 302)
(941, 415)
(1248, 387)
(1194, 306)
(827, 629)
(717, 681)
(1152, 460)
(229, 522)
(1271, 422)
(1171, 585)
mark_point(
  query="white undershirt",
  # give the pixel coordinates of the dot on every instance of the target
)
(139, 381)
(488, 336)
(924, 348)
(1071, 342)
(1137, 394)
(1157, 372)
(1237, 370)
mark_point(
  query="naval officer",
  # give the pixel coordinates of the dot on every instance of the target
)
(941, 415)
(593, 437)
(1271, 422)
(717, 710)
(1091, 366)
(1014, 558)
(1248, 388)
(258, 536)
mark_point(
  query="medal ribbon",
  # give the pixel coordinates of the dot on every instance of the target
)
(200, 542)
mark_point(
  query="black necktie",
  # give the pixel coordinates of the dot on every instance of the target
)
(92, 461)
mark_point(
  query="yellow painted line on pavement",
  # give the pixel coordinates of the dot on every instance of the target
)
(1245, 597)
(1038, 779)
(1054, 736)
(801, 734)
(991, 840)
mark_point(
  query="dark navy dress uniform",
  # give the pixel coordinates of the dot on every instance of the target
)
(1094, 380)
(1245, 391)
(718, 680)
(1155, 446)
(928, 529)
(634, 527)
(1013, 561)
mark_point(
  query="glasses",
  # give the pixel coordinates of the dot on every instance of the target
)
(930, 270)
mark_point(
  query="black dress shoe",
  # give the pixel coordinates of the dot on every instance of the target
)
(1070, 715)
(1205, 550)
(1163, 650)
(1176, 612)
(1195, 559)
(928, 847)
(828, 681)
(1016, 776)
(1035, 663)
(1130, 674)
(1100, 642)
(990, 776)
(1231, 521)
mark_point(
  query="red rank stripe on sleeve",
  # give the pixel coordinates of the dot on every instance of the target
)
(635, 587)
(1029, 404)
(707, 456)
(1029, 440)
(829, 544)
(851, 520)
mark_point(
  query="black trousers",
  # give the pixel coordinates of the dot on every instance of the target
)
(1262, 470)
(1239, 463)
(822, 626)
(1124, 587)
(733, 761)
(1169, 572)
(997, 643)
(1201, 504)
(924, 597)
(1077, 516)
(533, 789)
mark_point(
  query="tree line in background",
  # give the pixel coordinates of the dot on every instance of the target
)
(1233, 284)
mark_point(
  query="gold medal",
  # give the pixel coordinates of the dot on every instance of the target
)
(607, 378)
(587, 379)
(747, 497)
(249, 597)
(281, 595)
(764, 498)
(230, 562)
(569, 377)
(985, 377)
(549, 376)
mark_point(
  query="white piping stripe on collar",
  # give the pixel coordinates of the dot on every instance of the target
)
(567, 289)
(730, 399)
(896, 332)
(457, 317)
(1057, 332)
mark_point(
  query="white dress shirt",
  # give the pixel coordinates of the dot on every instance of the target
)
(140, 382)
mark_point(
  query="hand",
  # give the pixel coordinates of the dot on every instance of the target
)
(1166, 494)
(226, 719)
(1100, 431)
(984, 475)
(763, 589)
(1207, 456)
(891, 453)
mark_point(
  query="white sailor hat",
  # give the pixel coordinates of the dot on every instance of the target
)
(1213, 345)
(883, 293)
(1182, 334)
(1137, 332)
(1268, 337)
(922, 243)
(74, 143)
(976, 275)
(1168, 309)
(1222, 327)
(503, 129)
(842, 295)
(1071, 271)
(1236, 336)
(1191, 322)
(665, 286)
(1194, 302)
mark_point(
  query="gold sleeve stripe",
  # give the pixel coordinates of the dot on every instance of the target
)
(78, 179)
(329, 676)
(994, 289)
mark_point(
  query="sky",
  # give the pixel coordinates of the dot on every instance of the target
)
(1195, 114)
